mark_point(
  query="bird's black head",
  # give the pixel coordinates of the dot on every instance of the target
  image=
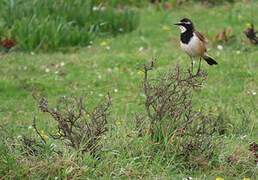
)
(185, 24)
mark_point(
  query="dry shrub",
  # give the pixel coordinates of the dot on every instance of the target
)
(251, 34)
(78, 126)
(173, 122)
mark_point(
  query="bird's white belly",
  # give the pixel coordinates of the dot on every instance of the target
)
(193, 47)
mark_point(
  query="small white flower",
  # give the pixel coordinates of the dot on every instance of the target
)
(62, 64)
(95, 8)
(56, 178)
(47, 70)
(221, 157)
(143, 95)
(116, 68)
(32, 53)
(89, 46)
(108, 47)
(243, 137)
(109, 70)
(91, 42)
(91, 92)
(25, 68)
(57, 72)
(99, 76)
(115, 90)
(102, 24)
(193, 62)
(100, 95)
(220, 47)
(141, 48)
(238, 52)
(121, 29)
(30, 127)
(253, 92)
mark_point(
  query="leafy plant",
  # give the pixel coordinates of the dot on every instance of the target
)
(225, 35)
(50, 25)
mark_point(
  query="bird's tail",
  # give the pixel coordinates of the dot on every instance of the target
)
(209, 60)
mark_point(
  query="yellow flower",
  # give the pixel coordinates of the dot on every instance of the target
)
(246, 179)
(219, 178)
(140, 72)
(118, 123)
(103, 43)
(58, 134)
(166, 28)
(44, 136)
(248, 25)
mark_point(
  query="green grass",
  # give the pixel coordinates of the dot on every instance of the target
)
(230, 85)
(47, 25)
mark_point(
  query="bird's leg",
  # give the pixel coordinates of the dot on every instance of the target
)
(191, 65)
(199, 67)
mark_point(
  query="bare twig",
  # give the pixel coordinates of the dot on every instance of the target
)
(170, 111)
(79, 125)
(36, 129)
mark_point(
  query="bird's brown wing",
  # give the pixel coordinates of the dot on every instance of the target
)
(201, 37)
(202, 41)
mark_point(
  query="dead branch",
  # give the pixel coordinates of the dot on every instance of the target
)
(78, 126)
(251, 35)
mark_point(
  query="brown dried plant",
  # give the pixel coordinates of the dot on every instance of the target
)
(251, 34)
(78, 126)
(170, 113)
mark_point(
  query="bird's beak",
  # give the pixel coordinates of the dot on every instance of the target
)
(178, 24)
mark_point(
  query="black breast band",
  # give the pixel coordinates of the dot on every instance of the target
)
(186, 36)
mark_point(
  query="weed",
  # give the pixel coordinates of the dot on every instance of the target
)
(78, 127)
(224, 36)
(251, 34)
(173, 122)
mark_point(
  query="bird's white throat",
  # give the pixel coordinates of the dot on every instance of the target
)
(183, 29)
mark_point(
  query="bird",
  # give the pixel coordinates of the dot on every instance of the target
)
(193, 42)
